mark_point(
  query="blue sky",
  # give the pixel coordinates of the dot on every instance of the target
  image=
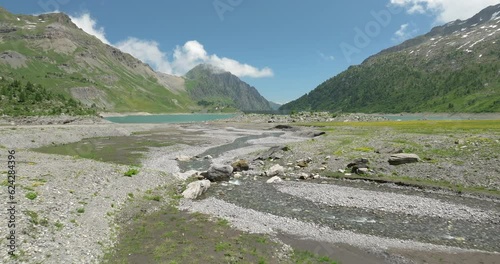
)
(285, 48)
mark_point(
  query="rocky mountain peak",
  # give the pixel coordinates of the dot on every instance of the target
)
(209, 67)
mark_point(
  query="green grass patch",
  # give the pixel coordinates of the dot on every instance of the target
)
(131, 172)
(418, 126)
(31, 195)
(306, 257)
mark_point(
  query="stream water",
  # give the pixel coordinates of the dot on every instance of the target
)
(263, 197)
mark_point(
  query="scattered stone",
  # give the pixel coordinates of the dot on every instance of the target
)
(403, 158)
(274, 179)
(275, 170)
(219, 173)
(195, 189)
(240, 165)
(207, 157)
(341, 171)
(316, 176)
(460, 141)
(358, 164)
(237, 175)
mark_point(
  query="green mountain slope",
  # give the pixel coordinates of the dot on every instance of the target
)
(453, 68)
(51, 51)
(211, 86)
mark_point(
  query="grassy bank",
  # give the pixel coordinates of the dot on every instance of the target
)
(460, 156)
(169, 235)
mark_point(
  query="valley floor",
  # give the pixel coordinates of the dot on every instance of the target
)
(80, 208)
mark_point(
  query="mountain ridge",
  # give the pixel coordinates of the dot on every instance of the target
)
(51, 51)
(211, 85)
(452, 68)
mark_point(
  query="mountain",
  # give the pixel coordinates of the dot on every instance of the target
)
(49, 50)
(453, 68)
(212, 86)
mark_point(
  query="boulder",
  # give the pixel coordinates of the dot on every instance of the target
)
(195, 189)
(240, 165)
(183, 158)
(274, 179)
(403, 158)
(218, 173)
(275, 170)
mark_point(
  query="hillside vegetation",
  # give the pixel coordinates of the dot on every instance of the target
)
(18, 99)
(51, 51)
(454, 68)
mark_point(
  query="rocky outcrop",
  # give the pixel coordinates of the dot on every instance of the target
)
(195, 189)
(403, 158)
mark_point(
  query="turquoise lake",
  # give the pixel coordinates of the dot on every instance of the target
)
(181, 118)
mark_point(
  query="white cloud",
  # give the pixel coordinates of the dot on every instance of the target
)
(183, 58)
(406, 31)
(89, 25)
(148, 52)
(445, 10)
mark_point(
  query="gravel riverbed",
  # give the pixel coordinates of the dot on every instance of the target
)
(72, 217)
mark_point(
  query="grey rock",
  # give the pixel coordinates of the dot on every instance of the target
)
(358, 164)
(275, 170)
(274, 179)
(183, 158)
(195, 189)
(403, 158)
(218, 173)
